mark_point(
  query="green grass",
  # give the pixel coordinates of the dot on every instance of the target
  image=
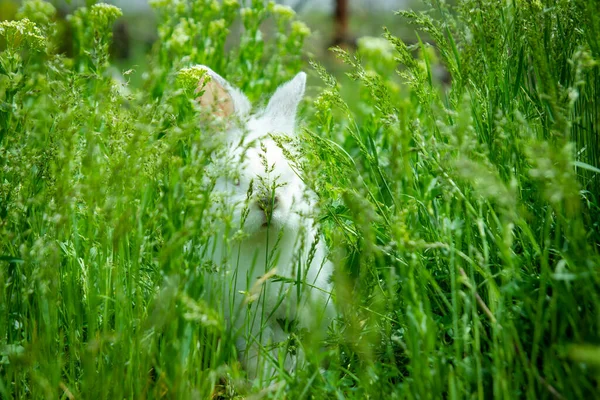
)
(463, 219)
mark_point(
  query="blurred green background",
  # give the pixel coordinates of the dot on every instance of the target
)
(135, 32)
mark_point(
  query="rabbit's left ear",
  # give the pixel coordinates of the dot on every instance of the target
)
(221, 97)
(283, 105)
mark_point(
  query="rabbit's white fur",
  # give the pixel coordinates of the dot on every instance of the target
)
(276, 242)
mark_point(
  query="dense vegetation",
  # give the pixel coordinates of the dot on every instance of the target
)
(463, 218)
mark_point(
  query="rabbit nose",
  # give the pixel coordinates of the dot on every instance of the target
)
(268, 203)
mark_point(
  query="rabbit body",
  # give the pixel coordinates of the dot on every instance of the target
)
(276, 273)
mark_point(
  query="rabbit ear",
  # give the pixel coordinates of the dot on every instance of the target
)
(221, 97)
(283, 105)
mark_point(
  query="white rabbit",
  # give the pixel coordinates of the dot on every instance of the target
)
(275, 274)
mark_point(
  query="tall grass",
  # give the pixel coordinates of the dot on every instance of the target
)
(462, 218)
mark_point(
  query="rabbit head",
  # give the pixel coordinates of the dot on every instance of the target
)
(261, 186)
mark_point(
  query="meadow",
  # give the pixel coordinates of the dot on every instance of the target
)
(462, 215)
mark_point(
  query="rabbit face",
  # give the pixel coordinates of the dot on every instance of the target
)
(261, 189)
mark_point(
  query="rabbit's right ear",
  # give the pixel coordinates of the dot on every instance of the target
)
(221, 97)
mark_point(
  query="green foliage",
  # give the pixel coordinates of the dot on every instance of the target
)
(100, 187)
(472, 236)
(462, 218)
